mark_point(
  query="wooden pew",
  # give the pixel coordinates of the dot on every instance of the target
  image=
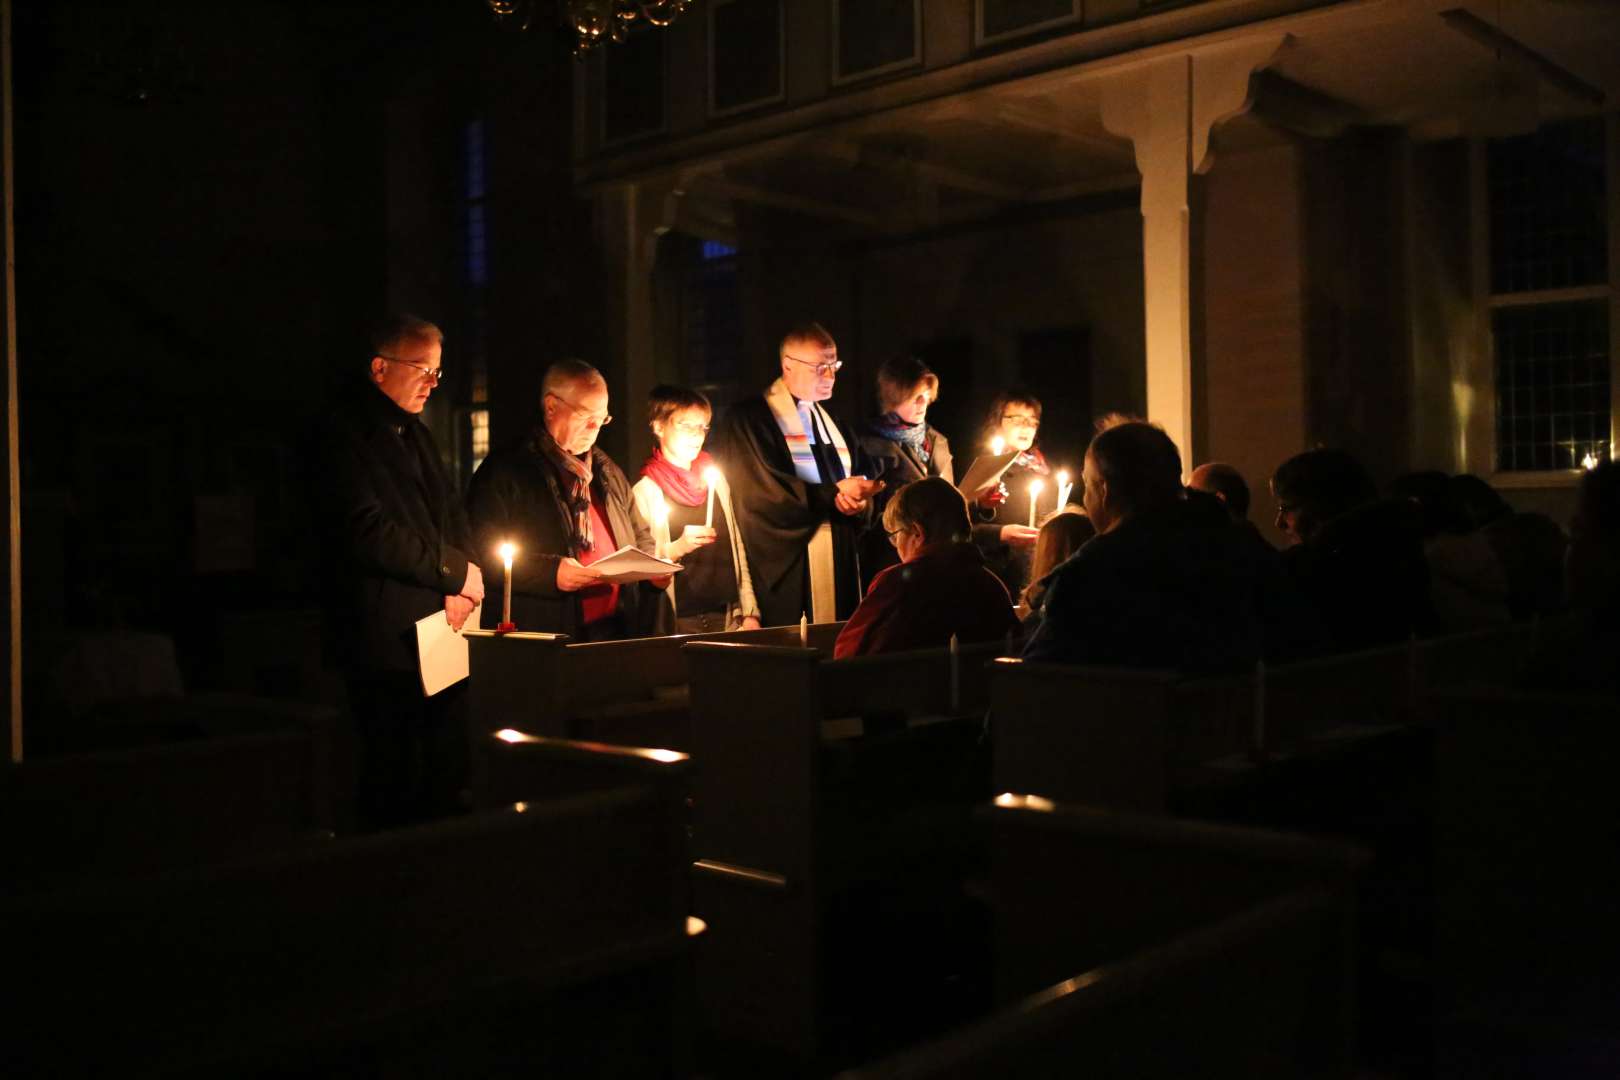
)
(828, 796)
(553, 941)
(1525, 833)
(630, 693)
(1116, 737)
(1129, 946)
(159, 807)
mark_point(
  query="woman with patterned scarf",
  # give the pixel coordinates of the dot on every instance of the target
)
(714, 591)
(902, 447)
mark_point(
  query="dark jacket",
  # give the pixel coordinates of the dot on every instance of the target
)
(395, 540)
(1179, 588)
(1366, 575)
(516, 495)
(945, 590)
(896, 465)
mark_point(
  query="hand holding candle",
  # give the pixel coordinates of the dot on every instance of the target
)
(1035, 487)
(711, 476)
(506, 551)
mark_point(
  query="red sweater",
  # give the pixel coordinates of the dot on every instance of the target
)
(945, 590)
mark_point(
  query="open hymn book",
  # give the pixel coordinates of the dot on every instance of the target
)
(632, 564)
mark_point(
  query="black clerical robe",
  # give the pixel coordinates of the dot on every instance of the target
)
(778, 513)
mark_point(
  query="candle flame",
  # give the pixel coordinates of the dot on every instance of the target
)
(512, 735)
(1036, 485)
(1590, 461)
(1062, 477)
(506, 551)
(710, 475)
(998, 445)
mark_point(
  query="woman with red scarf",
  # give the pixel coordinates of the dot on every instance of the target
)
(713, 591)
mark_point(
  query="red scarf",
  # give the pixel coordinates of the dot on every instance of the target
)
(684, 486)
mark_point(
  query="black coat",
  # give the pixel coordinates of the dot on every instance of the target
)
(516, 495)
(396, 541)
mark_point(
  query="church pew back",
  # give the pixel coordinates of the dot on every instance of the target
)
(1130, 946)
(1111, 737)
(788, 815)
(157, 808)
(424, 948)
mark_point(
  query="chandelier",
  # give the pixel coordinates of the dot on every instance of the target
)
(593, 21)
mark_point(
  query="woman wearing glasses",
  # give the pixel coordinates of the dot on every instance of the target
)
(900, 446)
(713, 592)
(1003, 532)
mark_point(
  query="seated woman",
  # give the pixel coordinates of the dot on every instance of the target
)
(713, 591)
(1061, 536)
(901, 446)
(941, 587)
(1002, 531)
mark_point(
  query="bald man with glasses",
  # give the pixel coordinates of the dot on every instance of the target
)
(562, 501)
(797, 485)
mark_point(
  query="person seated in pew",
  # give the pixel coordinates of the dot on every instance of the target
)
(900, 446)
(714, 591)
(1168, 582)
(1061, 535)
(1468, 585)
(940, 588)
(1577, 654)
(1357, 559)
(565, 505)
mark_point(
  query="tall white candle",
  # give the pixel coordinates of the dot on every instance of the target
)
(1034, 495)
(804, 630)
(710, 475)
(661, 527)
(507, 551)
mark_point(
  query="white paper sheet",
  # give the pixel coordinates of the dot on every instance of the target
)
(985, 473)
(441, 652)
(632, 564)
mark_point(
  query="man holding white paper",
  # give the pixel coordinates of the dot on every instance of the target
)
(566, 506)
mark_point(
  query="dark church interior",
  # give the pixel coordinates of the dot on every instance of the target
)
(807, 538)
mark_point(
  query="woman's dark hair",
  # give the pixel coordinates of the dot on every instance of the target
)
(898, 376)
(664, 401)
(998, 406)
(1320, 485)
(932, 505)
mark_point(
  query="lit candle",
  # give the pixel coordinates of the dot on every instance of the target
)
(956, 675)
(710, 476)
(804, 630)
(1064, 488)
(1034, 496)
(998, 445)
(1590, 461)
(507, 550)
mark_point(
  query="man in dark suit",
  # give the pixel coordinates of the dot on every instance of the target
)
(564, 504)
(397, 549)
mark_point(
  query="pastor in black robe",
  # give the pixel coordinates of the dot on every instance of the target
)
(778, 512)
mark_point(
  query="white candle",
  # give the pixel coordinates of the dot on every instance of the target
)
(1034, 495)
(1064, 488)
(507, 551)
(956, 675)
(998, 445)
(804, 630)
(661, 527)
(710, 476)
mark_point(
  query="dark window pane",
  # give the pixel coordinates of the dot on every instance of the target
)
(747, 57)
(875, 33)
(1552, 384)
(1009, 16)
(1547, 203)
(633, 86)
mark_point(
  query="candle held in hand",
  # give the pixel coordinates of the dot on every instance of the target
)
(661, 527)
(506, 552)
(1035, 487)
(710, 476)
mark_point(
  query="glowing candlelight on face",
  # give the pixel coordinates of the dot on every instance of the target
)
(711, 476)
(998, 445)
(1064, 488)
(507, 550)
(1035, 487)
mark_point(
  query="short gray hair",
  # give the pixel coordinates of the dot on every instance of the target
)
(567, 374)
(396, 329)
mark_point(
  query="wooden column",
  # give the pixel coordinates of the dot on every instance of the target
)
(1167, 108)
